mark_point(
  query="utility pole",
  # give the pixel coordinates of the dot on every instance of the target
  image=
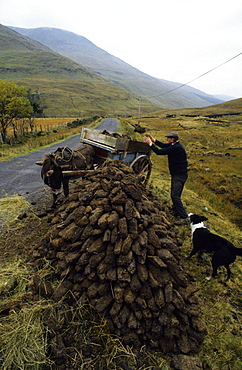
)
(139, 112)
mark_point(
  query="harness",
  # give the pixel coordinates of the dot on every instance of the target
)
(68, 155)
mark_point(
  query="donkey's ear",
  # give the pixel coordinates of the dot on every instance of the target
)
(39, 163)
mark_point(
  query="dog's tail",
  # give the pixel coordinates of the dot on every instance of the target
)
(238, 251)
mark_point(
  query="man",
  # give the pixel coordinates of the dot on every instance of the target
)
(177, 163)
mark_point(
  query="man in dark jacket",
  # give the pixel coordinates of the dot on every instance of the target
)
(177, 163)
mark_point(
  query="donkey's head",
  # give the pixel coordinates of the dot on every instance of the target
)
(51, 173)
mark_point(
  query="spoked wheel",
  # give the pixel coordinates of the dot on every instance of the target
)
(142, 167)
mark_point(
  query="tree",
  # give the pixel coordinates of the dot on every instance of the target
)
(14, 104)
(38, 111)
(34, 99)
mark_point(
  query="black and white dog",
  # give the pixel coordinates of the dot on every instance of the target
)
(224, 252)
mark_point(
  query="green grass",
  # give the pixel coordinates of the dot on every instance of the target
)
(73, 97)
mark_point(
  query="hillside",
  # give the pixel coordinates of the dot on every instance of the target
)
(65, 87)
(230, 108)
(99, 61)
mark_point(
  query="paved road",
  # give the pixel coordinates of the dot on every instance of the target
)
(22, 176)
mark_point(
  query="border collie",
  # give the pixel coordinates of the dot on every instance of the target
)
(224, 252)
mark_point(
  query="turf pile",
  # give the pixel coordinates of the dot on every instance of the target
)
(113, 247)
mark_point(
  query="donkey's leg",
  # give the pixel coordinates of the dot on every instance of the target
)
(54, 200)
(66, 186)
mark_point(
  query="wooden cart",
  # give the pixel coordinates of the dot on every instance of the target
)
(113, 146)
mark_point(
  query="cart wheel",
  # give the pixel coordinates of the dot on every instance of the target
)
(142, 166)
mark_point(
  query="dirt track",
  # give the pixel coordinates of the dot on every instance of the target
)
(22, 176)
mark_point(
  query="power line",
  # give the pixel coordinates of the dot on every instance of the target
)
(178, 87)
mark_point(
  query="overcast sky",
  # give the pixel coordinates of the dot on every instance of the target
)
(176, 40)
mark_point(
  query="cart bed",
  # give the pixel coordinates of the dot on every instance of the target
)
(119, 148)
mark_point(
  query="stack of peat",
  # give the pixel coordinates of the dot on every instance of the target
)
(113, 247)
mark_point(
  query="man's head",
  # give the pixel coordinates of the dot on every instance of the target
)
(172, 137)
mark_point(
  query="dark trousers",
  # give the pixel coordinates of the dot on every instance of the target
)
(177, 185)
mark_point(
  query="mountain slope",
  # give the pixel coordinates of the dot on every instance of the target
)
(84, 52)
(66, 88)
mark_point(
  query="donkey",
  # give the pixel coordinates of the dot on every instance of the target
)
(53, 164)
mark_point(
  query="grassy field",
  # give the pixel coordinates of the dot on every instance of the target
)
(213, 189)
(46, 132)
(214, 148)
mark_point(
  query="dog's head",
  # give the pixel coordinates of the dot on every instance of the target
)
(196, 219)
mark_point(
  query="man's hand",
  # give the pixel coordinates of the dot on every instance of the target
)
(149, 139)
